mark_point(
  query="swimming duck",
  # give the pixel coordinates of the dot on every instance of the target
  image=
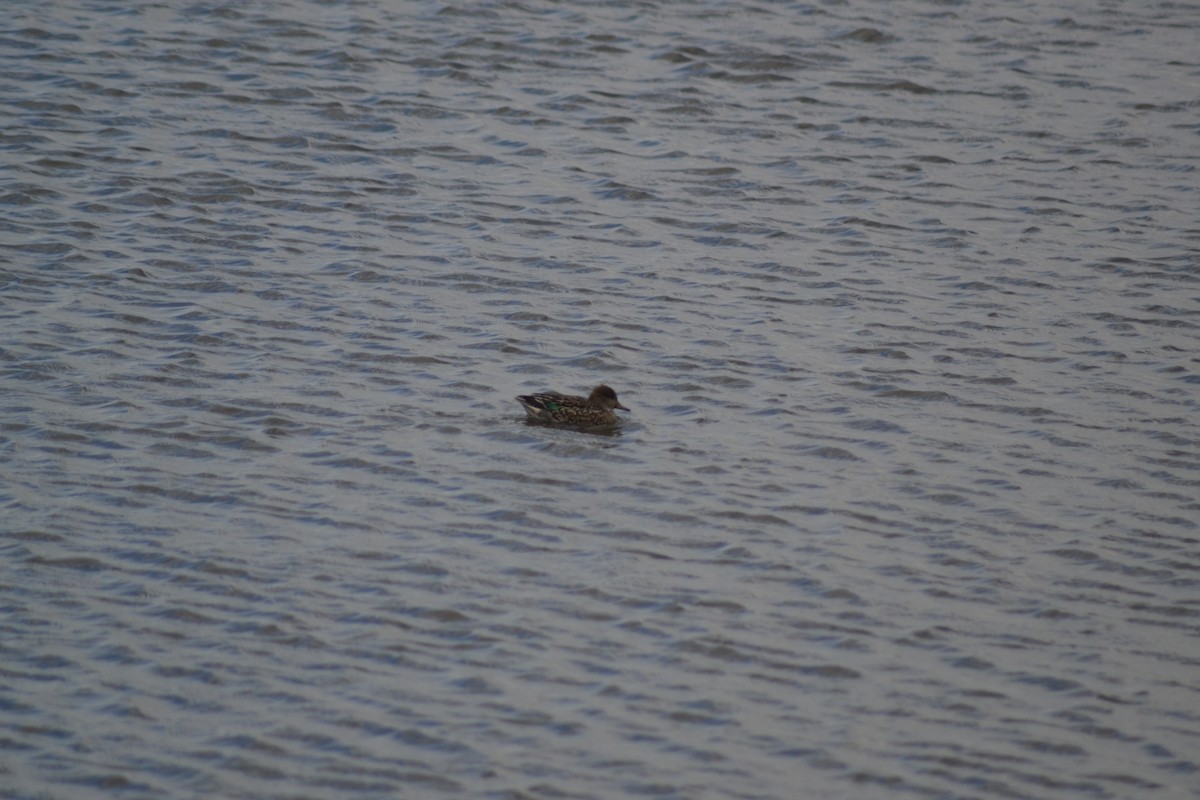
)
(594, 410)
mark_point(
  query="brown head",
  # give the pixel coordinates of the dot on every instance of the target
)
(605, 397)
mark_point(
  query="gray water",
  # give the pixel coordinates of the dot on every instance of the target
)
(904, 298)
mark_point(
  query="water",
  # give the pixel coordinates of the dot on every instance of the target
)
(902, 296)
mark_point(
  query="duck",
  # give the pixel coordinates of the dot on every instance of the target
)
(561, 409)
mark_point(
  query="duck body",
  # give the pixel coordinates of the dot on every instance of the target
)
(562, 409)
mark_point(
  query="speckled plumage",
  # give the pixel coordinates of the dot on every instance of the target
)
(561, 409)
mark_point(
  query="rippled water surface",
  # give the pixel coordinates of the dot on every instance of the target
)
(904, 298)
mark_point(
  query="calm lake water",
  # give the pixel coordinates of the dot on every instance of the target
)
(904, 298)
